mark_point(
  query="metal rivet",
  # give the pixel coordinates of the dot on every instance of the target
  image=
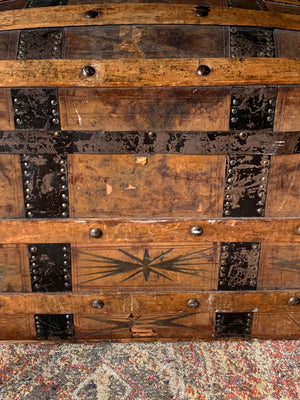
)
(227, 203)
(227, 212)
(223, 262)
(196, 230)
(243, 135)
(28, 205)
(272, 101)
(88, 70)
(232, 162)
(224, 248)
(270, 111)
(234, 111)
(269, 118)
(64, 196)
(54, 112)
(222, 269)
(228, 187)
(17, 111)
(18, 121)
(64, 214)
(64, 205)
(16, 101)
(298, 230)
(65, 255)
(229, 180)
(260, 210)
(230, 171)
(91, 14)
(57, 134)
(65, 262)
(63, 178)
(193, 303)
(260, 203)
(234, 120)
(294, 301)
(203, 70)
(53, 102)
(227, 197)
(29, 214)
(62, 170)
(235, 102)
(263, 179)
(64, 248)
(63, 187)
(65, 270)
(55, 121)
(221, 282)
(62, 162)
(202, 11)
(151, 134)
(67, 284)
(96, 233)
(255, 246)
(66, 277)
(252, 283)
(97, 304)
(36, 286)
(33, 249)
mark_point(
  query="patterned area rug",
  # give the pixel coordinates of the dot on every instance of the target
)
(153, 371)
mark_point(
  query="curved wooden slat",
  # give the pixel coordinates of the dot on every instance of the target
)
(116, 231)
(116, 14)
(150, 72)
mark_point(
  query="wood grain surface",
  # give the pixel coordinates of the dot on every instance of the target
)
(150, 72)
(119, 14)
(150, 230)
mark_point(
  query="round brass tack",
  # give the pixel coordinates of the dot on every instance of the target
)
(98, 304)
(193, 303)
(96, 233)
(88, 71)
(196, 230)
(294, 301)
(203, 70)
(90, 14)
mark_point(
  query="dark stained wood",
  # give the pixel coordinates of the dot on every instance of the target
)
(182, 109)
(137, 186)
(282, 8)
(8, 45)
(149, 267)
(279, 266)
(113, 42)
(11, 199)
(287, 43)
(11, 268)
(6, 113)
(151, 72)
(287, 109)
(284, 188)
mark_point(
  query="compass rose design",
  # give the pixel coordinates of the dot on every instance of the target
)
(184, 264)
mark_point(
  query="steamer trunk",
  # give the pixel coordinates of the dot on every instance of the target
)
(149, 170)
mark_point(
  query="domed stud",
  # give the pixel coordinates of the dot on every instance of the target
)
(90, 14)
(88, 71)
(203, 70)
(193, 303)
(294, 301)
(98, 304)
(196, 230)
(96, 233)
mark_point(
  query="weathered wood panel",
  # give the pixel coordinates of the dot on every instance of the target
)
(13, 268)
(8, 45)
(287, 43)
(16, 327)
(6, 113)
(11, 199)
(279, 266)
(214, 3)
(182, 109)
(148, 267)
(287, 109)
(184, 326)
(284, 187)
(144, 231)
(115, 14)
(156, 185)
(150, 72)
(282, 8)
(125, 303)
(276, 325)
(113, 42)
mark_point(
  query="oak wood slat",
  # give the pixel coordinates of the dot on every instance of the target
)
(143, 302)
(146, 230)
(150, 72)
(115, 14)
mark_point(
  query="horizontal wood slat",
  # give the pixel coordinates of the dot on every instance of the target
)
(125, 303)
(150, 72)
(115, 14)
(117, 231)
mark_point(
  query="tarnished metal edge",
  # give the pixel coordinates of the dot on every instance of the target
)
(149, 142)
(238, 324)
(54, 326)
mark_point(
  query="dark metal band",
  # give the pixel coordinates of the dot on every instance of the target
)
(36, 44)
(50, 267)
(54, 326)
(36, 108)
(249, 4)
(45, 3)
(100, 142)
(45, 186)
(233, 324)
(252, 108)
(246, 180)
(239, 264)
(251, 42)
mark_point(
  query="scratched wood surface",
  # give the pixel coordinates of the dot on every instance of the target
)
(11, 200)
(276, 325)
(287, 109)
(13, 269)
(145, 109)
(6, 113)
(150, 267)
(284, 188)
(157, 185)
(279, 266)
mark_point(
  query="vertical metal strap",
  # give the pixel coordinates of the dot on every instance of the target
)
(251, 42)
(239, 264)
(50, 267)
(45, 185)
(54, 326)
(233, 324)
(36, 44)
